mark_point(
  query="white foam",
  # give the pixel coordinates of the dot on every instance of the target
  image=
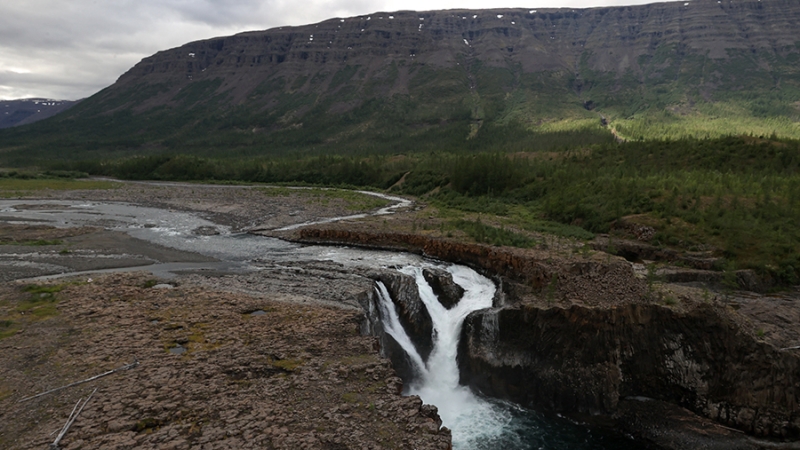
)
(469, 417)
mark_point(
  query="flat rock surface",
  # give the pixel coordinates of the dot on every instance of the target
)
(28, 251)
(294, 376)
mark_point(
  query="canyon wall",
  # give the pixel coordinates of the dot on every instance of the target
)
(602, 339)
(588, 359)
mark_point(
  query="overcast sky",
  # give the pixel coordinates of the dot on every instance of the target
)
(70, 49)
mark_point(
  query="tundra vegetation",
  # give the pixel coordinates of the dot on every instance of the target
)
(701, 147)
(736, 197)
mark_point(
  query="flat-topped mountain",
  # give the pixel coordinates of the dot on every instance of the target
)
(402, 81)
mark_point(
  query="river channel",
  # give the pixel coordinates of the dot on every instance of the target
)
(476, 422)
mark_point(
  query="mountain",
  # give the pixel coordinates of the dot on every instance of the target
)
(30, 110)
(504, 79)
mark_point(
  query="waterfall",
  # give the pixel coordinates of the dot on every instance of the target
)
(474, 422)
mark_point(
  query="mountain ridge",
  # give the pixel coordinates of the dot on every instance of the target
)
(664, 70)
(29, 110)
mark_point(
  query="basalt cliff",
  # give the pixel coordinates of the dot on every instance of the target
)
(404, 81)
(584, 336)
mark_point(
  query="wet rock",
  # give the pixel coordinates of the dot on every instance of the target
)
(431, 412)
(582, 359)
(446, 290)
(671, 427)
(607, 281)
(206, 230)
(178, 349)
(413, 314)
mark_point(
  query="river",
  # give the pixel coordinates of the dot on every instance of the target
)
(476, 422)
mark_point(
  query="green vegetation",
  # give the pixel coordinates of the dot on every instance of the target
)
(487, 234)
(354, 201)
(8, 328)
(39, 303)
(287, 365)
(736, 197)
(710, 158)
(33, 183)
(34, 243)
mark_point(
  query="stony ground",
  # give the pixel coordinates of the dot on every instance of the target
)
(298, 376)
(272, 359)
(241, 207)
(254, 372)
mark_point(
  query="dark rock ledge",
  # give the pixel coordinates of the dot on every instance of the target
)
(585, 337)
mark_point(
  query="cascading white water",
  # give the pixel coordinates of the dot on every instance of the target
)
(477, 423)
(471, 419)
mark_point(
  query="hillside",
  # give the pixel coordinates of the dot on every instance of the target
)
(454, 80)
(30, 110)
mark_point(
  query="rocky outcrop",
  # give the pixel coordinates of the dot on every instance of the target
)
(606, 281)
(446, 290)
(597, 40)
(297, 377)
(411, 310)
(581, 335)
(581, 359)
(669, 427)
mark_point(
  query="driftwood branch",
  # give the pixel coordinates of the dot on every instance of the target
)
(118, 369)
(72, 416)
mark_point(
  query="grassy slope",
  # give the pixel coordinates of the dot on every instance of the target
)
(508, 111)
(520, 147)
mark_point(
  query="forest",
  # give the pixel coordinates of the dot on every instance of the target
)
(737, 197)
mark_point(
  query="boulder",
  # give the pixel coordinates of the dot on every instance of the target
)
(446, 290)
